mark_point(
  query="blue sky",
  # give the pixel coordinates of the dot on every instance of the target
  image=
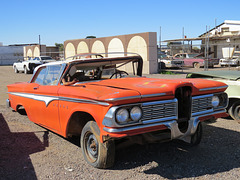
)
(22, 21)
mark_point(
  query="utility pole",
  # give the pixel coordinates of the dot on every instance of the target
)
(39, 42)
(160, 48)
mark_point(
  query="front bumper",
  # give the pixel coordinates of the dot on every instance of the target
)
(171, 125)
(231, 63)
(8, 105)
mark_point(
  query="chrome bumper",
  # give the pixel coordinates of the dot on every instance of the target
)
(8, 103)
(172, 125)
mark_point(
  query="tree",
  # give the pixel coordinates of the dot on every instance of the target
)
(60, 46)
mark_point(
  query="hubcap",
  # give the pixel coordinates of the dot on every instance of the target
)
(92, 147)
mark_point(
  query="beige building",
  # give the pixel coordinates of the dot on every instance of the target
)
(144, 44)
(43, 50)
(226, 34)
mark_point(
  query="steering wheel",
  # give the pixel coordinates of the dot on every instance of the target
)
(119, 74)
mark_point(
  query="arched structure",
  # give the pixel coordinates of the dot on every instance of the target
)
(115, 45)
(36, 51)
(82, 47)
(98, 47)
(138, 45)
(69, 50)
(145, 44)
(29, 53)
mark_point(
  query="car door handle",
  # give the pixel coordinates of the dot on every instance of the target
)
(35, 88)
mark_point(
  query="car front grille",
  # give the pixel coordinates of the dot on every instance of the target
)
(201, 104)
(159, 111)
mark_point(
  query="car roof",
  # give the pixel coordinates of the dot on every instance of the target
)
(225, 74)
(99, 61)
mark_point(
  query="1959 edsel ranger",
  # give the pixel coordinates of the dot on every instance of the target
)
(105, 101)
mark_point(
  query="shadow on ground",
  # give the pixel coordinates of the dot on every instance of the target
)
(218, 152)
(15, 150)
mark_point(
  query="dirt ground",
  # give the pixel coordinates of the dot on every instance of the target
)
(28, 151)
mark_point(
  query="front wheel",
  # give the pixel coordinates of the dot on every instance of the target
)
(25, 70)
(16, 70)
(197, 136)
(97, 154)
(234, 111)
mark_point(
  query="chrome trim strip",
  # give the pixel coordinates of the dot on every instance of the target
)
(213, 88)
(167, 123)
(160, 102)
(159, 120)
(83, 101)
(202, 112)
(202, 96)
(153, 95)
(135, 97)
(49, 99)
(46, 99)
(119, 130)
(123, 98)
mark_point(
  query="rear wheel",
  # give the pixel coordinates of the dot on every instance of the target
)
(16, 70)
(97, 154)
(196, 65)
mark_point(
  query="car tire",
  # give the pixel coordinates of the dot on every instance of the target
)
(196, 65)
(197, 136)
(97, 154)
(234, 111)
(16, 70)
(25, 70)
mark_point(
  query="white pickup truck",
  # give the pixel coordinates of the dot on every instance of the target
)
(27, 66)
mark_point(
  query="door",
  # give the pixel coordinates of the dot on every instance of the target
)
(44, 89)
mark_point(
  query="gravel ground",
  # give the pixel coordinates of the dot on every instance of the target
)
(28, 151)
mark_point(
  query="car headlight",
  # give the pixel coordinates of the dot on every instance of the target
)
(136, 113)
(122, 116)
(215, 101)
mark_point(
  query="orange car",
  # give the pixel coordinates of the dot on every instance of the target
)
(106, 101)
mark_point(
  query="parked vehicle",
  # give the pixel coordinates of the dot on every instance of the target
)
(214, 61)
(27, 66)
(232, 79)
(167, 62)
(105, 101)
(233, 61)
(191, 60)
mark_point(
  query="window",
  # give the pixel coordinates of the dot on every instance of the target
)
(36, 58)
(48, 75)
(40, 76)
(226, 29)
(52, 75)
(46, 58)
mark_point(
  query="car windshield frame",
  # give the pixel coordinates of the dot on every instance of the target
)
(46, 58)
(192, 55)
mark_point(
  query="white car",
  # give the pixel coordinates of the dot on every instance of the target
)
(27, 66)
(234, 61)
(166, 62)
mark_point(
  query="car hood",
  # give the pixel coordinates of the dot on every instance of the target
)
(147, 88)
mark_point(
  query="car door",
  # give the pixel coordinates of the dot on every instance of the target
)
(45, 93)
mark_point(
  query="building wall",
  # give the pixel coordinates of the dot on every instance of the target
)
(33, 51)
(10, 54)
(145, 44)
(221, 37)
(36, 50)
